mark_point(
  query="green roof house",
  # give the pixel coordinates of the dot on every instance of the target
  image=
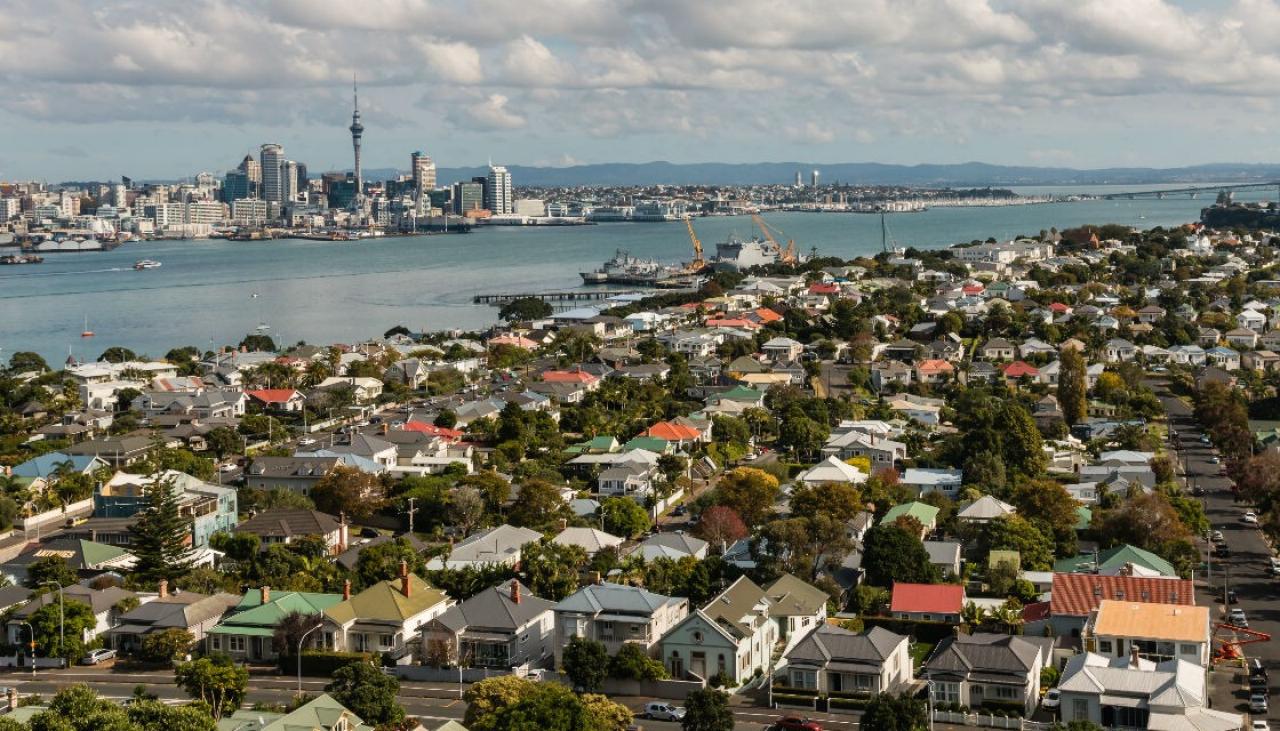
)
(657, 445)
(386, 618)
(246, 632)
(596, 445)
(923, 512)
(322, 714)
(1114, 560)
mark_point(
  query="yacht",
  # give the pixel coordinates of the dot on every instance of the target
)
(146, 264)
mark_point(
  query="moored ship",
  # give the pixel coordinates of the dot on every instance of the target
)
(624, 268)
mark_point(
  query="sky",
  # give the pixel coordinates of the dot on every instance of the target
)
(166, 89)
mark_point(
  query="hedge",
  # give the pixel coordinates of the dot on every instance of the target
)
(323, 662)
(919, 630)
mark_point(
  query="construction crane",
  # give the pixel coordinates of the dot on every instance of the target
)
(786, 255)
(698, 263)
(1231, 638)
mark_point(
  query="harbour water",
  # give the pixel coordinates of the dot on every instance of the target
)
(211, 293)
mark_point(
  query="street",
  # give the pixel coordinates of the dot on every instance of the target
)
(1247, 571)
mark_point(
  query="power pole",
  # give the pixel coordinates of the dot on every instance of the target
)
(411, 511)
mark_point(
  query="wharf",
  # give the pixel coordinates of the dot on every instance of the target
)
(569, 296)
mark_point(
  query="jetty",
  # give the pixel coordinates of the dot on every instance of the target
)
(569, 296)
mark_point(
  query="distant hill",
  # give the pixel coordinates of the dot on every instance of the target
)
(866, 173)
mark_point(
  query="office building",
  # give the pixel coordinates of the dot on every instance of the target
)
(424, 173)
(498, 197)
(253, 169)
(10, 208)
(272, 159)
(289, 181)
(813, 180)
(236, 186)
(467, 197)
(249, 212)
(119, 196)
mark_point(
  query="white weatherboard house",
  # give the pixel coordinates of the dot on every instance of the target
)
(733, 635)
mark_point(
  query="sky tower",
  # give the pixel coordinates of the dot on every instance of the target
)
(357, 131)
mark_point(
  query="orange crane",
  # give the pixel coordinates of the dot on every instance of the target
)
(698, 263)
(1232, 638)
(785, 255)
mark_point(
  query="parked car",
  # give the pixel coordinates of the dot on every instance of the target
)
(1222, 550)
(1251, 518)
(1051, 699)
(1275, 566)
(1230, 596)
(1260, 725)
(306, 441)
(1257, 702)
(795, 723)
(98, 656)
(1238, 618)
(660, 711)
(1216, 536)
(1197, 491)
(1215, 460)
(228, 467)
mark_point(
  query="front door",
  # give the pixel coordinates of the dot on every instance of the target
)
(257, 649)
(975, 697)
(698, 664)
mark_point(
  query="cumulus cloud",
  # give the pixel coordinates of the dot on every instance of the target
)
(492, 114)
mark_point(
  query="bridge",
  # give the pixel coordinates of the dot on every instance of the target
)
(1190, 192)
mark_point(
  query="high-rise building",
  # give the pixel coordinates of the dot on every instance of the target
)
(253, 170)
(236, 186)
(357, 132)
(799, 179)
(467, 197)
(289, 181)
(424, 174)
(10, 208)
(272, 159)
(119, 196)
(813, 180)
(497, 190)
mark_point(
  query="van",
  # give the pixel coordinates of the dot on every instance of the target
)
(1257, 669)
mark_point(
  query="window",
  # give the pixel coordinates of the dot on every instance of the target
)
(1079, 710)
(216, 642)
(1104, 646)
(235, 643)
(1189, 649)
(946, 692)
(386, 640)
(1004, 692)
(804, 679)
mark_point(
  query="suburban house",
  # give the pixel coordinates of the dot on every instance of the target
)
(797, 606)
(990, 670)
(927, 602)
(925, 480)
(499, 545)
(628, 479)
(923, 513)
(246, 632)
(87, 558)
(387, 617)
(882, 452)
(299, 474)
(208, 508)
(277, 399)
(591, 540)
(984, 510)
(732, 636)
(502, 627)
(1076, 596)
(284, 525)
(675, 546)
(1156, 632)
(615, 614)
(1130, 692)
(832, 470)
(102, 602)
(946, 555)
(831, 659)
(187, 610)
(324, 713)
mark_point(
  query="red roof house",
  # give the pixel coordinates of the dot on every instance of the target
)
(820, 288)
(581, 377)
(933, 602)
(284, 399)
(1020, 368)
(452, 435)
(673, 432)
(1074, 596)
(768, 315)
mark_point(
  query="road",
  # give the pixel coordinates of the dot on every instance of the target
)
(1248, 569)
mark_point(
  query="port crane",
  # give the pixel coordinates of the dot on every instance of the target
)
(786, 255)
(1231, 638)
(698, 263)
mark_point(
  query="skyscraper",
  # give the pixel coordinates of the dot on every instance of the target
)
(814, 179)
(799, 180)
(424, 174)
(272, 157)
(357, 131)
(252, 169)
(289, 181)
(497, 190)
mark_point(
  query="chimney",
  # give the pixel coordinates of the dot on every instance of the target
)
(346, 589)
(344, 533)
(404, 578)
(12, 696)
(1133, 655)
(596, 577)
(564, 523)
(385, 428)
(515, 591)
(163, 591)
(265, 591)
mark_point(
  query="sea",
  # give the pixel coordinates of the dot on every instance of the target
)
(211, 293)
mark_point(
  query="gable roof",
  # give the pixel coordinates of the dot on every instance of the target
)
(253, 612)
(923, 512)
(608, 597)
(385, 601)
(1076, 595)
(1115, 559)
(285, 522)
(829, 643)
(983, 653)
(795, 597)
(927, 598)
(496, 609)
(321, 714)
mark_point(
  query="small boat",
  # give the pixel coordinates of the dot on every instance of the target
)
(86, 332)
(146, 264)
(21, 259)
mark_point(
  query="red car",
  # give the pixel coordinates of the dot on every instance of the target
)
(795, 723)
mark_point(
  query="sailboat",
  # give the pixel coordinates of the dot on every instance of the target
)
(86, 332)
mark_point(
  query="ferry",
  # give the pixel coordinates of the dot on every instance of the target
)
(11, 259)
(146, 264)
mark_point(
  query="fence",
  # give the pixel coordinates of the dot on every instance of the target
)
(989, 721)
(56, 518)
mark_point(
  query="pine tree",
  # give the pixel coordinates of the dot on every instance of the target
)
(1072, 386)
(160, 535)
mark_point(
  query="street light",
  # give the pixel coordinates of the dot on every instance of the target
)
(300, 641)
(62, 617)
(32, 630)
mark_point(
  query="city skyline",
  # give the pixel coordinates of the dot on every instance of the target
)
(1054, 83)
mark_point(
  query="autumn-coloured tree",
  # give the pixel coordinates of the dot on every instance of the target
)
(720, 526)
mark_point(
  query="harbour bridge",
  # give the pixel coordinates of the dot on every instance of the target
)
(1190, 192)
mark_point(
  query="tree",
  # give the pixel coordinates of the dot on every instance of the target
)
(1015, 533)
(382, 561)
(551, 569)
(152, 715)
(601, 714)
(167, 645)
(466, 508)
(222, 441)
(1052, 510)
(624, 517)
(216, 681)
(349, 490)
(802, 434)
(367, 692)
(258, 343)
(585, 662)
(59, 630)
(493, 488)
(708, 710)
(50, 568)
(525, 308)
(117, 354)
(446, 419)
(538, 506)
(839, 500)
(160, 534)
(289, 632)
(888, 712)
(892, 554)
(1072, 397)
(24, 361)
(633, 663)
(750, 492)
(509, 703)
(720, 526)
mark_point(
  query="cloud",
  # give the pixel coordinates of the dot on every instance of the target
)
(67, 151)
(492, 114)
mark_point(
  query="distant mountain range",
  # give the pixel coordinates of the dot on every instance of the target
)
(967, 174)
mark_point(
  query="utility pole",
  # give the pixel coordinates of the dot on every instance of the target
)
(411, 511)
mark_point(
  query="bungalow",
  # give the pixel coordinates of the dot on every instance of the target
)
(298, 474)
(497, 546)
(386, 618)
(1119, 350)
(1036, 347)
(927, 602)
(946, 556)
(1187, 355)
(831, 660)
(1130, 692)
(934, 371)
(1019, 370)
(365, 390)
(882, 452)
(284, 525)
(832, 470)
(889, 373)
(783, 349)
(589, 539)
(501, 628)
(984, 510)
(681, 434)
(1260, 361)
(628, 479)
(1242, 338)
(925, 480)
(102, 602)
(1151, 314)
(617, 614)
(988, 670)
(675, 546)
(997, 349)
(195, 613)
(1075, 597)
(731, 636)
(1224, 358)
(1152, 631)
(246, 633)
(277, 399)
(580, 378)
(1252, 320)
(923, 513)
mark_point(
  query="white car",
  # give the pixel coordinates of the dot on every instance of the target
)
(1260, 725)
(663, 712)
(306, 441)
(1237, 617)
(1051, 699)
(228, 467)
(1251, 518)
(1275, 566)
(97, 656)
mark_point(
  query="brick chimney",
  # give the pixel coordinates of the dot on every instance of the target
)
(12, 696)
(163, 591)
(346, 589)
(515, 591)
(265, 591)
(344, 533)
(404, 578)
(1133, 655)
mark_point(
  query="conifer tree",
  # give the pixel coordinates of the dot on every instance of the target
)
(160, 534)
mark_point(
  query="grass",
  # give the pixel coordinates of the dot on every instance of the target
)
(920, 652)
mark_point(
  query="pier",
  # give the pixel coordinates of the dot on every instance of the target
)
(583, 295)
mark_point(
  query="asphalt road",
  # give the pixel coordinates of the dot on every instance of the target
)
(1248, 569)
